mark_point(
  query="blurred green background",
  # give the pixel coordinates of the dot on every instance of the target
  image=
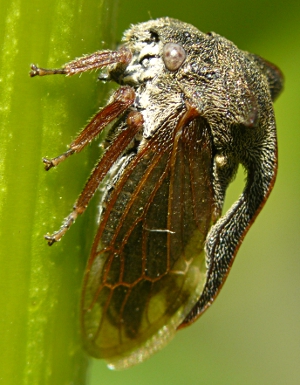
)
(251, 335)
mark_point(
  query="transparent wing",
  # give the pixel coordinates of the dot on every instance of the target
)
(147, 266)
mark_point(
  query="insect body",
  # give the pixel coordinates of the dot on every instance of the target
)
(190, 108)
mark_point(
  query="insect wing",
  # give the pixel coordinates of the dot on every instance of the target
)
(147, 266)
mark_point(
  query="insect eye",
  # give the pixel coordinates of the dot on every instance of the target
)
(173, 56)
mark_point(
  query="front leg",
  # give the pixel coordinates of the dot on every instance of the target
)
(96, 60)
(122, 99)
(121, 141)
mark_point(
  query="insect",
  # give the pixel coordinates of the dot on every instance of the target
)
(190, 108)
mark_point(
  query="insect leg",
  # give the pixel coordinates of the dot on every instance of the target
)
(134, 123)
(95, 60)
(122, 99)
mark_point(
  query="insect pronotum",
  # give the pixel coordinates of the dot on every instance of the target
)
(190, 108)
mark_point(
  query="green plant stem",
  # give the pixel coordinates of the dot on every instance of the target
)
(40, 286)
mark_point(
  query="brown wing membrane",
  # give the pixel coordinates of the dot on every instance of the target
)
(147, 267)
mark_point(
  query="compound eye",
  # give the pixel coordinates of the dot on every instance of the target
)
(173, 56)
